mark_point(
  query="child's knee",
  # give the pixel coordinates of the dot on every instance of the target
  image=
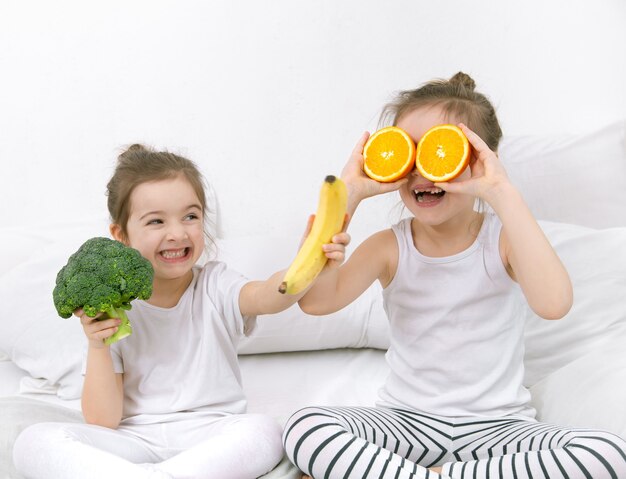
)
(265, 432)
(612, 449)
(603, 453)
(302, 422)
(33, 442)
(308, 414)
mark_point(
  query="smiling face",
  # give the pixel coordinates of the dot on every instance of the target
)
(431, 205)
(165, 224)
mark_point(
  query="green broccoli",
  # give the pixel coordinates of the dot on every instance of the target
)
(103, 276)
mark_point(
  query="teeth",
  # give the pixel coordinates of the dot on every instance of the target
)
(174, 254)
(431, 190)
(428, 190)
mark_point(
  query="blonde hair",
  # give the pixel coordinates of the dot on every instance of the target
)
(140, 164)
(456, 97)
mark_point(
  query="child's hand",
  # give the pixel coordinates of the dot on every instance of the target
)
(361, 186)
(335, 250)
(488, 174)
(97, 330)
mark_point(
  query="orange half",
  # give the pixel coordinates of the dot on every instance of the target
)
(442, 153)
(389, 154)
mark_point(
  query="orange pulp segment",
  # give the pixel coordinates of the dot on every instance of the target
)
(389, 154)
(442, 153)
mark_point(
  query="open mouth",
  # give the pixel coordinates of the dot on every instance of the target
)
(428, 195)
(175, 254)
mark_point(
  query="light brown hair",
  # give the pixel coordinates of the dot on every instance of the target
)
(140, 164)
(457, 97)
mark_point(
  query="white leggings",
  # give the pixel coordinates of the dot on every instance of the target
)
(241, 446)
(355, 442)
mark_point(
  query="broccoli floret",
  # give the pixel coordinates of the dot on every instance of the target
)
(103, 276)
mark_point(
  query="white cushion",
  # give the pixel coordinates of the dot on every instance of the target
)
(360, 324)
(579, 179)
(596, 262)
(18, 244)
(35, 337)
(589, 392)
(37, 340)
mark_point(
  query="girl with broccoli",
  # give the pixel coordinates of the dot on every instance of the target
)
(454, 278)
(166, 401)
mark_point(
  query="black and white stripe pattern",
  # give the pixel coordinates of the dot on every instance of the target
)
(357, 442)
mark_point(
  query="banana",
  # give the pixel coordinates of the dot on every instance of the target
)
(329, 218)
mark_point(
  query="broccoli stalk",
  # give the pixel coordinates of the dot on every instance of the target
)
(124, 329)
(103, 276)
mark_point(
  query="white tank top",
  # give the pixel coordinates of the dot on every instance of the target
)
(456, 326)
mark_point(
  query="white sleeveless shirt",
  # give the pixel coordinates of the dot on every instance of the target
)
(456, 346)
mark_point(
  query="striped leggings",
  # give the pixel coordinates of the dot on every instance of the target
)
(361, 442)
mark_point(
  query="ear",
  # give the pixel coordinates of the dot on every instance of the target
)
(116, 232)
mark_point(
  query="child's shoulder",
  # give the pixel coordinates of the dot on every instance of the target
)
(216, 274)
(380, 253)
(381, 246)
(381, 237)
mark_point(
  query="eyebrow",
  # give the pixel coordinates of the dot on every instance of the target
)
(159, 212)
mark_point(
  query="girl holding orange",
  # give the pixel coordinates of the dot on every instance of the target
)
(454, 278)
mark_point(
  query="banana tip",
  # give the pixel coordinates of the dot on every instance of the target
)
(283, 287)
(330, 179)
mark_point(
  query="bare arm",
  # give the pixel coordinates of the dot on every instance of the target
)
(103, 393)
(262, 297)
(375, 259)
(526, 252)
(532, 260)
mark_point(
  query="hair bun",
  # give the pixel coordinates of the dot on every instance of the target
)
(463, 79)
(137, 147)
(132, 150)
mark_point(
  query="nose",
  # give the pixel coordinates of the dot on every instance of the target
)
(415, 172)
(176, 232)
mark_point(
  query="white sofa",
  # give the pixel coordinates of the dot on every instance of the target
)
(576, 367)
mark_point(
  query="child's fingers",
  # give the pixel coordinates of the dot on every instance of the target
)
(336, 251)
(454, 187)
(95, 326)
(354, 166)
(392, 186)
(307, 230)
(477, 142)
(445, 186)
(342, 238)
(339, 256)
(309, 225)
(105, 333)
(331, 247)
(85, 319)
(358, 148)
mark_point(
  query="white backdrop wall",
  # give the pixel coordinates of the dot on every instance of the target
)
(269, 97)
